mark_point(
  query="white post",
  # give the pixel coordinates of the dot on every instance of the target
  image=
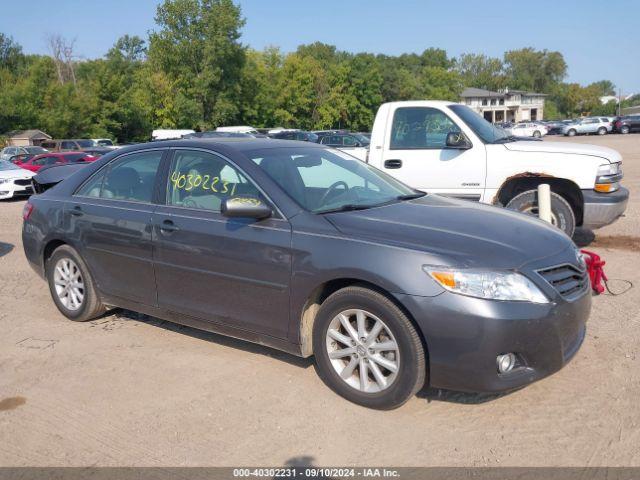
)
(544, 202)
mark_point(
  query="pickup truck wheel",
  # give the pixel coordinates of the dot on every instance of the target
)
(71, 285)
(367, 350)
(624, 129)
(602, 131)
(562, 215)
(536, 134)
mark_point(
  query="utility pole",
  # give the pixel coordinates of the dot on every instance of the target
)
(619, 100)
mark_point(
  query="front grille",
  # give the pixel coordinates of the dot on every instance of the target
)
(566, 279)
(26, 181)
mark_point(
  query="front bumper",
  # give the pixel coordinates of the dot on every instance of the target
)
(602, 209)
(464, 335)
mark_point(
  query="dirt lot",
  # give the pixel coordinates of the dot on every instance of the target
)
(124, 390)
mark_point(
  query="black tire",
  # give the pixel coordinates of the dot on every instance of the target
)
(411, 375)
(624, 129)
(602, 131)
(537, 134)
(91, 306)
(571, 132)
(527, 202)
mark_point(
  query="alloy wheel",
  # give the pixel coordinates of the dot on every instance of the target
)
(69, 284)
(363, 351)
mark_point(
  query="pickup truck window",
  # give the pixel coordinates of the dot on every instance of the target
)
(487, 132)
(420, 128)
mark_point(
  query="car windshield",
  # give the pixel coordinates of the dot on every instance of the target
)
(85, 143)
(324, 180)
(487, 132)
(4, 165)
(35, 150)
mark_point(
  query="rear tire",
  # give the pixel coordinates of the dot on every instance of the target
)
(392, 375)
(571, 133)
(562, 214)
(71, 285)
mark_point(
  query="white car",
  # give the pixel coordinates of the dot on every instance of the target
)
(530, 129)
(14, 180)
(169, 134)
(449, 149)
(238, 129)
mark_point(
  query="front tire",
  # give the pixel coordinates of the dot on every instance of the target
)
(571, 133)
(602, 131)
(71, 285)
(367, 350)
(624, 130)
(562, 215)
(537, 134)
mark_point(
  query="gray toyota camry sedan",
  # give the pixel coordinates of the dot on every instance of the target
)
(308, 250)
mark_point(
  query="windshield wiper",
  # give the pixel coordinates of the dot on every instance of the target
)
(411, 196)
(348, 208)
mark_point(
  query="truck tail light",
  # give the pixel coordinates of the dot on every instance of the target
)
(26, 211)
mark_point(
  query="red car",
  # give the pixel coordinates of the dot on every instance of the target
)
(36, 163)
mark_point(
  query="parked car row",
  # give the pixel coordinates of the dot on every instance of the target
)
(577, 126)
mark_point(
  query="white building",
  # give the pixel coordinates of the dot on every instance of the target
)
(505, 106)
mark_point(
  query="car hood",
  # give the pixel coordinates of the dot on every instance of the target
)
(18, 173)
(566, 148)
(455, 232)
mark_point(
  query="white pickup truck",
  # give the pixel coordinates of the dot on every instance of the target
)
(448, 149)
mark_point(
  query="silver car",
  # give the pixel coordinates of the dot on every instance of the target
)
(9, 152)
(585, 126)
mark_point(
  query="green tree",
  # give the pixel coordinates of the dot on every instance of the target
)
(481, 71)
(534, 70)
(197, 47)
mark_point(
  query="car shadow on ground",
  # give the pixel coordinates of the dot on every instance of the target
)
(213, 337)
(5, 248)
(439, 395)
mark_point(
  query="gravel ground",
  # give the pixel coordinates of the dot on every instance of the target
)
(129, 390)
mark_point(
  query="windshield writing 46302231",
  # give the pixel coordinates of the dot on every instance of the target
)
(188, 182)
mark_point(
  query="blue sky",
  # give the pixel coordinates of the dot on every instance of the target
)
(592, 35)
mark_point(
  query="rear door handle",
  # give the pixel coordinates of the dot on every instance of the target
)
(77, 211)
(394, 163)
(167, 227)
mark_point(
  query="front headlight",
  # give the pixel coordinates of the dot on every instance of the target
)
(488, 284)
(610, 169)
(608, 177)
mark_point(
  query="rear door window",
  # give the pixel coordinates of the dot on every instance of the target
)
(131, 178)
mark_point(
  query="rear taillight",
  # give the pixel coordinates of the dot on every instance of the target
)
(26, 211)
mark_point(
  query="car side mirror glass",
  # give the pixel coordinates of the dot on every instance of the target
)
(457, 140)
(245, 207)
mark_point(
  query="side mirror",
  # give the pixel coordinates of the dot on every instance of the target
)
(457, 140)
(245, 207)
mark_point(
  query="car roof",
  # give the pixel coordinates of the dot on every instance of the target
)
(231, 143)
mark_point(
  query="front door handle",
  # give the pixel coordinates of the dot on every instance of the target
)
(394, 163)
(167, 227)
(77, 211)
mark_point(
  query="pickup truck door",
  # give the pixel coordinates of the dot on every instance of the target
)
(415, 152)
